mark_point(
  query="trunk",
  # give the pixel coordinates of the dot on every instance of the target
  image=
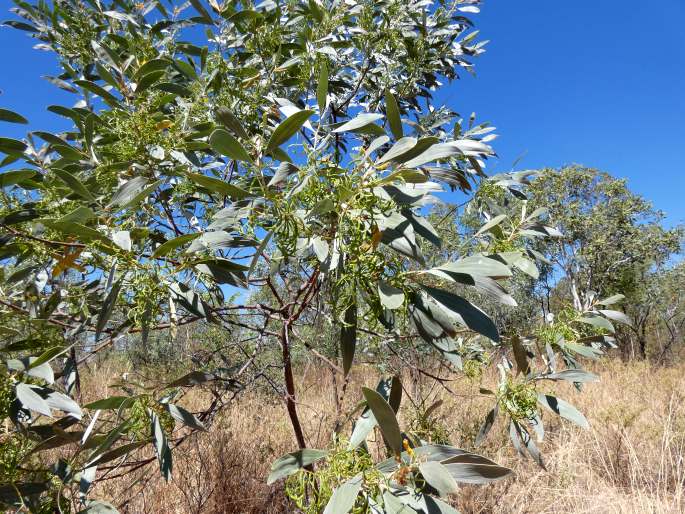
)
(290, 316)
(290, 387)
(336, 402)
(642, 345)
(577, 304)
(642, 339)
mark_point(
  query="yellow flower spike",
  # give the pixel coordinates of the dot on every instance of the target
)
(164, 124)
(407, 448)
(376, 238)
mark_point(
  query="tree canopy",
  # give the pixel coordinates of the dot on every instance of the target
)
(258, 168)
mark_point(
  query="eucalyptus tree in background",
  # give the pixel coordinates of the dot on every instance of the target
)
(614, 240)
(288, 147)
(664, 322)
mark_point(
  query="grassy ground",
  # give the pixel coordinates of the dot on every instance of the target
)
(631, 461)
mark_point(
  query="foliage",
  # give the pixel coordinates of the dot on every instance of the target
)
(407, 480)
(261, 181)
(311, 492)
(614, 240)
(658, 313)
(611, 235)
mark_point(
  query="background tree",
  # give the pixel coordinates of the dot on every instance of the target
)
(611, 239)
(658, 313)
(614, 240)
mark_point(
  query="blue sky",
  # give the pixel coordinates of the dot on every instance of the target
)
(595, 82)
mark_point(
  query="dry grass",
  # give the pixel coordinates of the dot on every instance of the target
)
(631, 461)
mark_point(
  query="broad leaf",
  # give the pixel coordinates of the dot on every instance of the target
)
(161, 444)
(111, 403)
(170, 245)
(31, 400)
(563, 409)
(12, 146)
(133, 192)
(192, 378)
(293, 462)
(392, 111)
(385, 416)
(288, 128)
(520, 355)
(572, 375)
(185, 417)
(436, 152)
(12, 117)
(344, 497)
(464, 312)
(322, 88)
(599, 322)
(439, 477)
(108, 307)
(360, 121)
(390, 296)
(348, 337)
(231, 122)
(216, 185)
(225, 144)
(612, 299)
(617, 316)
(470, 473)
(401, 147)
(487, 425)
(9, 178)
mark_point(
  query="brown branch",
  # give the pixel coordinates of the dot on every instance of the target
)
(24, 311)
(16, 233)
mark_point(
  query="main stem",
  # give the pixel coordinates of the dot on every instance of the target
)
(290, 386)
(291, 313)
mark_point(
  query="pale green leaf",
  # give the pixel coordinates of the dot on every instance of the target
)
(392, 111)
(322, 88)
(563, 409)
(293, 462)
(385, 416)
(438, 476)
(218, 186)
(344, 496)
(288, 128)
(390, 296)
(225, 144)
(361, 120)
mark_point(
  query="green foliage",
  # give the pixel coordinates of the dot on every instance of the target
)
(6, 395)
(13, 451)
(140, 414)
(425, 425)
(311, 492)
(517, 400)
(267, 185)
(349, 481)
(614, 240)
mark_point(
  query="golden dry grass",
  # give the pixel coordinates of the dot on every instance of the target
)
(631, 461)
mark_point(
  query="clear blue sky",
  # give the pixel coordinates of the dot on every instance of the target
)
(595, 82)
